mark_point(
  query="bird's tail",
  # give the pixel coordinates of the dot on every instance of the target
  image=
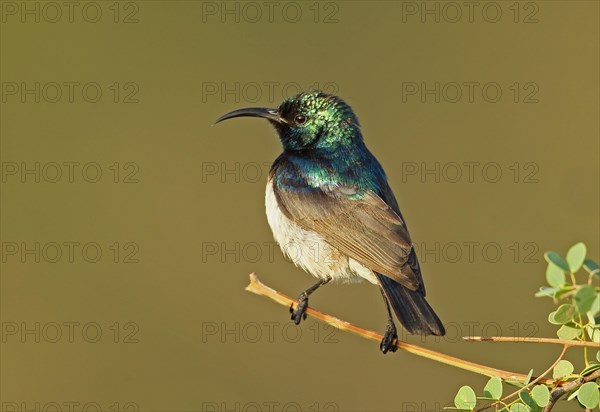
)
(411, 308)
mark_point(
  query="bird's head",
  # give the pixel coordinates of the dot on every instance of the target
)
(309, 120)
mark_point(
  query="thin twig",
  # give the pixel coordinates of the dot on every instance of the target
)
(557, 393)
(530, 384)
(530, 340)
(257, 287)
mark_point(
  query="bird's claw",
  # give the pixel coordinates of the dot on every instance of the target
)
(388, 343)
(300, 312)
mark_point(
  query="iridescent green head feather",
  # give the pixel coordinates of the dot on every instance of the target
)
(314, 119)
(310, 120)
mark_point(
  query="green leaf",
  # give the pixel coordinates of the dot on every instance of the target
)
(593, 333)
(567, 332)
(575, 256)
(588, 395)
(546, 291)
(562, 315)
(598, 355)
(555, 276)
(591, 266)
(541, 395)
(563, 291)
(584, 298)
(595, 308)
(493, 388)
(573, 395)
(557, 260)
(529, 401)
(465, 399)
(591, 368)
(551, 318)
(529, 375)
(518, 407)
(563, 368)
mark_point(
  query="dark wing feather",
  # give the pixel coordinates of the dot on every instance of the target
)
(355, 221)
(388, 197)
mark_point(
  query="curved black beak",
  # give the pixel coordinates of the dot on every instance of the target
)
(265, 113)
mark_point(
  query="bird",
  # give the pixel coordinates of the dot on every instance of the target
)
(332, 211)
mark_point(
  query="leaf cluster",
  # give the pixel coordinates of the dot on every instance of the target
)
(577, 317)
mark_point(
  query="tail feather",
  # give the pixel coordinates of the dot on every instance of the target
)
(411, 308)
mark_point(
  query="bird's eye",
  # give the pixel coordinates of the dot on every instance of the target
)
(300, 119)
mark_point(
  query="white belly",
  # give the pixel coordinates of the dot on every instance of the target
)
(309, 251)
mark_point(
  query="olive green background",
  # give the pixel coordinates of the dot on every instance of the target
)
(200, 189)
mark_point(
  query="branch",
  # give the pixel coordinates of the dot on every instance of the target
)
(530, 384)
(557, 393)
(568, 343)
(259, 288)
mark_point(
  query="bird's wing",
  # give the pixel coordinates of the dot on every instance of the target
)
(355, 221)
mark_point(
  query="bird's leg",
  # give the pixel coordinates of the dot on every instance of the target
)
(300, 312)
(391, 335)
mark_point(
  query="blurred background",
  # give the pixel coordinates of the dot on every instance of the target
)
(130, 223)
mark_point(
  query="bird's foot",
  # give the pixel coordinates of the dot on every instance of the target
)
(300, 312)
(388, 343)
